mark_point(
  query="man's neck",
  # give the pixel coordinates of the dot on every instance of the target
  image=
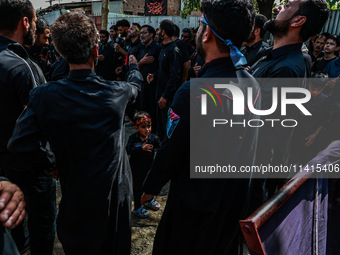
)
(252, 43)
(286, 40)
(329, 56)
(133, 39)
(316, 53)
(14, 36)
(147, 44)
(167, 40)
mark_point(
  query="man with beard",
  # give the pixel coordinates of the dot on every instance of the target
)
(318, 46)
(295, 22)
(123, 27)
(148, 63)
(105, 67)
(255, 48)
(42, 34)
(201, 215)
(167, 76)
(82, 118)
(17, 79)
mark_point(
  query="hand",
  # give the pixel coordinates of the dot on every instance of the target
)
(332, 83)
(247, 68)
(119, 70)
(132, 60)
(196, 68)
(146, 59)
(149, 78)
(117, 46)
(147, 147)
(310, 139)
(145, 198)
(12, 204)
(162, 103)
(100, 57)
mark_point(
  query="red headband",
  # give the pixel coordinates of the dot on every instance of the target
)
(142, 120)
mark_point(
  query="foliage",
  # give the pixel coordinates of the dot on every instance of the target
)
(194, 5)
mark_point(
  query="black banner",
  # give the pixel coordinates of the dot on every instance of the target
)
(156, 7)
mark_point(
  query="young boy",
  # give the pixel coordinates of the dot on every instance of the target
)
(141, 146)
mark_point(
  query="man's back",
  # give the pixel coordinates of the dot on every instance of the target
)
(82, 118)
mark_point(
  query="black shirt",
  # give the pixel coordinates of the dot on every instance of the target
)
(183, 47)
(82, 118)
(320, 64)
(168, 75)
(284, 62)
(153, 49)
(254, 52)
(140, 159)
(105, 68)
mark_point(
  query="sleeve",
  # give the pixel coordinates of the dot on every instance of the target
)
(134, 79)
(174, 148)
(27, 137)
(23, 82)
(130, 148)
(175, 77)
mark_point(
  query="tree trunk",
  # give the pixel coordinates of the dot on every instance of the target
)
(265, 7)
(105, 14)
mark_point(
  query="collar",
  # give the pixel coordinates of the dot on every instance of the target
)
(226, 63)
(81, 73)
(4, 41)
(136, 42)
(167, 45)
(255, 45)
(284, 50)
(150, 45)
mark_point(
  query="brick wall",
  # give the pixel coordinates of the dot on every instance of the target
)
(136, 7)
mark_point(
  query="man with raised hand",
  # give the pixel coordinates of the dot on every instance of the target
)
(82, 118)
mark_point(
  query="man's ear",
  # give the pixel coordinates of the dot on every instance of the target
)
(298, 21)
(257, 31)
(94, 51)
(207, 34)
(25, 23)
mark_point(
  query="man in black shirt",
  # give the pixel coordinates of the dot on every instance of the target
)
(201, 215)
(332, 45)
(185, 54)
(148, 63)
(294, 24)
(255, 48)
(18, 76)
(168, 74)
(82, 118)
(318, 46)
(105, 67)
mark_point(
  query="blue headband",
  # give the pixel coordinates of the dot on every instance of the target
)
(236, 56)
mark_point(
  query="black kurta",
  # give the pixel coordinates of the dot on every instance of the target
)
(82, 118)
(201, 215)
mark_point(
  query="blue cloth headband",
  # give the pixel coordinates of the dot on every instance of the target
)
(236, 56)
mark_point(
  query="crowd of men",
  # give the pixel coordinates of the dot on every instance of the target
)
(72, 127)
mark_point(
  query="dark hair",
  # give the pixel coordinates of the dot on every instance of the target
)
(137, 25)
(168, 27)
(150, 29)
(259, 23)
(12, 11)
(74, 36)
(176, 31)
(321, 36)
(325, 34)
(114, 27)
(316, 12)
(138, 115)
(123, 23)
(105, 32)
(189, 31)
(335, 38)
(231, 19)
(41, 25)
